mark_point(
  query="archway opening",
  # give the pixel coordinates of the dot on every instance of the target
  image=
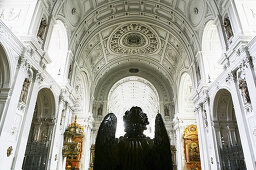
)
(41, 131)
(133, 91)
(227, 134)
(187, 116)
(212, 51)
(57, 50)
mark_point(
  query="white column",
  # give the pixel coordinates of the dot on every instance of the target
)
(217, 143)
(180, 144)
(57, 138)
(10, 119)
(202, 137)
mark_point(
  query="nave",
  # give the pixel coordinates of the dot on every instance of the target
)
(64, 65)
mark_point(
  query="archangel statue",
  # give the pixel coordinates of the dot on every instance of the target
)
(134, 150)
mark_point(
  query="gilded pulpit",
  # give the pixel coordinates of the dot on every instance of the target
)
(72, 148)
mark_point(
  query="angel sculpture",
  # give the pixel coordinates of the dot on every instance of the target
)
(134, 150)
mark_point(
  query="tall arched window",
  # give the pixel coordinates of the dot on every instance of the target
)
(133, 91)
(58, 48)
(211, 50)
(186, 107)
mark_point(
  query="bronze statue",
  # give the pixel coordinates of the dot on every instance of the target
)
(134, 150)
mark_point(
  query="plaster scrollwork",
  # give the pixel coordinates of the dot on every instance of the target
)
(39, 77)
(230, 78)
(9, 14)
(246, 63)
(254, 132)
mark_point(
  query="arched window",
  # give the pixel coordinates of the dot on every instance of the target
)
(211, 50)
(58, 48)
(133, 91)
(186, 107)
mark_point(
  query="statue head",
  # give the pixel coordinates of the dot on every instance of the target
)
(135, 122)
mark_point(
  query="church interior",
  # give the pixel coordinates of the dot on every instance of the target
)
(66, 64)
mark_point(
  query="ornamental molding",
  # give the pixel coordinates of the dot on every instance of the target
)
(231, 77)
(134, 38)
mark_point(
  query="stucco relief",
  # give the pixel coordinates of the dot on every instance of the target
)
(73, 11)
(9, 14)
(134, 38)
(196, 10)
(250, 12)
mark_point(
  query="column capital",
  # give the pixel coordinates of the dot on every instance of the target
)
(246, 63)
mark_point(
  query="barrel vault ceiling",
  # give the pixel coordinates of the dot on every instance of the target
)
(164, 34)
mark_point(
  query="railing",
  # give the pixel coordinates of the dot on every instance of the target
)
(232, 158)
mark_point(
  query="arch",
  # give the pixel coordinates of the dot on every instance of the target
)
(185, 104)
(223, 106)
(4, 69)
(211, 51)
(148, 72)
(133, 91)
(226, 131)
(57, 51)
(41, 131)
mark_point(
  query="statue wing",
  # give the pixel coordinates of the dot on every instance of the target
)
(161, 148)
(105, 144)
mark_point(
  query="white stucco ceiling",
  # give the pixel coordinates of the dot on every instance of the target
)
(100, 29)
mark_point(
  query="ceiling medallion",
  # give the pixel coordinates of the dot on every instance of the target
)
(134, 38)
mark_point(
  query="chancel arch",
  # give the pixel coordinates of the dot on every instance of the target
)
(129, 92)
(227, 132)
(38, 147)
(146, 75)
(162, 85)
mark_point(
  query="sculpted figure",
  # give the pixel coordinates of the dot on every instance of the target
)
(166, 111)
(244, 90)
(42, 28)
(228, 28)
(100, 110)
(134, 150)
(24, 91)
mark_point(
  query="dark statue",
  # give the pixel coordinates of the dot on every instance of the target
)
(228, 28)
(134, 150)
